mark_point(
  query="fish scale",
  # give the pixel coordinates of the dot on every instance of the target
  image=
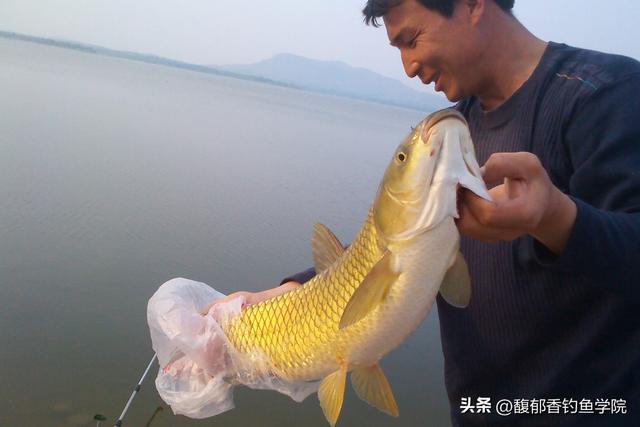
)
(310, 314)
(367, 299)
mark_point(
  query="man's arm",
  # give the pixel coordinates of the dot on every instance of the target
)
(254, 297)
(302, 277)
(603, 239)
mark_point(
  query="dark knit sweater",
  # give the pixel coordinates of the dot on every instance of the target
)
(566, 327)
(541, 326)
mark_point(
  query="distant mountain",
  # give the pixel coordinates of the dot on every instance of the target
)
(337, 78)
(132, 56)
(331, 77)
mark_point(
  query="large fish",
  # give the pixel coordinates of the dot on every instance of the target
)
(367, 298)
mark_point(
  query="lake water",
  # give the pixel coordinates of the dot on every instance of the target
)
(116, 176)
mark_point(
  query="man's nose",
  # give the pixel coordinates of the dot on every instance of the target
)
(411, 67)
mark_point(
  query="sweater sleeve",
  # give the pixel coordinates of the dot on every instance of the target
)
(302, 277)
(603, 141)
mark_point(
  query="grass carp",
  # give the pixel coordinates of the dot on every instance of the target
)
(366, 299)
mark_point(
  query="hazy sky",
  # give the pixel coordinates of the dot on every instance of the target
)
(240, 31)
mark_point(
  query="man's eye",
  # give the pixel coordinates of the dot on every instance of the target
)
(413, 40)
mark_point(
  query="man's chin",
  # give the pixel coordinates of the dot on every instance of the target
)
(454, 96)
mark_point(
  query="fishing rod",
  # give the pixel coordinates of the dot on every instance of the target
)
(135, 391)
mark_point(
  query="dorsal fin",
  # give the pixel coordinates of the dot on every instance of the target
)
(325, 246)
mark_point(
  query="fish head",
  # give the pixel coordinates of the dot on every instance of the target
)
(420, 185)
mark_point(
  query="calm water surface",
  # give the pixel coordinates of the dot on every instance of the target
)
(116, 176)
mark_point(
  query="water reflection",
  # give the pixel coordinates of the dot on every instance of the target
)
(116, 176)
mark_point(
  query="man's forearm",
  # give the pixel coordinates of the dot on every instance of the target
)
(603, 245)
(301, 277)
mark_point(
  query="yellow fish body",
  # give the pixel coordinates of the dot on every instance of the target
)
(366, 299)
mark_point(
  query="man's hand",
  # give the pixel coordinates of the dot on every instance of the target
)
(253, 297)
(525, 201)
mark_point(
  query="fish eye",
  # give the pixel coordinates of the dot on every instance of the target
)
(401, 157)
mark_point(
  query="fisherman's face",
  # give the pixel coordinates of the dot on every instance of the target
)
(437, 49)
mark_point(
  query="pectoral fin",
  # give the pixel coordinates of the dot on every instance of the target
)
(331, 394)
(371, 291)
(325, 246)
(372, 386)
(456, 285)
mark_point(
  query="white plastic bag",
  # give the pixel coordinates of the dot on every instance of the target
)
(191, 348)
(198, 365)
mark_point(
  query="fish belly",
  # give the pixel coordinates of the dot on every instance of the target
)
(423, 263)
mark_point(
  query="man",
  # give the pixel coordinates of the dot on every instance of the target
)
(555, 260)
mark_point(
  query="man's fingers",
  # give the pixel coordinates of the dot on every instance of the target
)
(521, 212)
(479, 223)
(519, 201)
(509, 165)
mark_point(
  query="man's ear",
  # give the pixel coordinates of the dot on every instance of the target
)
(475, 9)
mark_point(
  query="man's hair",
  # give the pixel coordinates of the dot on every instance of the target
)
(374, 9)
